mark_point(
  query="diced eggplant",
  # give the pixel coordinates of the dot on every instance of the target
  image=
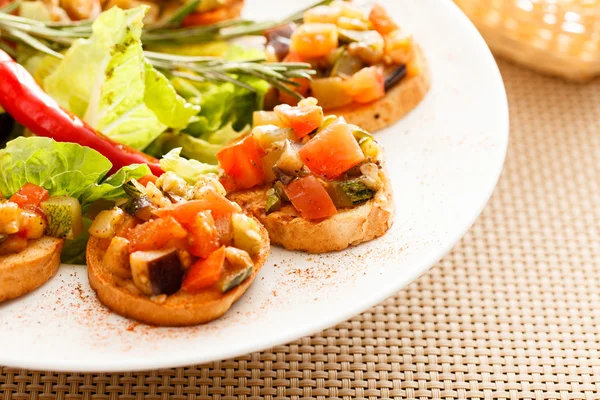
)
(156, 272)
(395, 77)
(279, 46)
(134, 189)
(290, 164)
(64, 217)
(283, 31)
(140, 207)
(10, 218)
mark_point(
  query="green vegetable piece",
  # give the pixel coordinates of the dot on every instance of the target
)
(64, 217)
(233, 280)
(189, 170)
(134, 189)
(369, 147)
(356, 191)
(273, 203)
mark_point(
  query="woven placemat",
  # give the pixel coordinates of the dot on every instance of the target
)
(512, 313)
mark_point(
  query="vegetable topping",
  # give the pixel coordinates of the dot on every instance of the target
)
(188, 238)
(357, 55)
(317, 164)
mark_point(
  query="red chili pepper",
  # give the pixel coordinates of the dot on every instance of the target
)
(33, 108)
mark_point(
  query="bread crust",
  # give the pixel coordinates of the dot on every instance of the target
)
(347, 228)
(398, 102)
(180, 309)
(26, 271)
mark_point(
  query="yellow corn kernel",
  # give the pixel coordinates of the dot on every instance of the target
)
(314, 40)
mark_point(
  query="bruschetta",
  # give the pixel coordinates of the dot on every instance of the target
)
(369, 71)
(317, 184)
(29, 257)
(174, 254)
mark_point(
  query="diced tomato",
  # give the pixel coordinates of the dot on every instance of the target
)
(29, 196)
(155, 234)
(310, 198)
(332, 151)
(242, 161)
(302, 119)
(204, 238)
(144, 180)
(381, 20)
(185, 212)
(366, 85)
(205, 272)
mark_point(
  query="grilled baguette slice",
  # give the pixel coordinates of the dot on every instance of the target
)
(398, 102)
(26, 271)
(180, 309)
(347, 228)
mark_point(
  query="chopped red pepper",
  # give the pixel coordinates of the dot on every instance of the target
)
(242, 162)
(205, 272)
(33, 108)
(29, 196)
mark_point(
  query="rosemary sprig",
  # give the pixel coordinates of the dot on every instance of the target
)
(51, 38)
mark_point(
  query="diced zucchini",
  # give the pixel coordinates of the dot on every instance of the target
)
(331, 92)
(10, 218)
(269, 135)
(260, 118)
(273, 201)
(238, 268)
(268, 161)
(246, 234)
(64, 218)
(280, 190)
(346, 65)
(106, 222)
(232, 280)
(349, 193)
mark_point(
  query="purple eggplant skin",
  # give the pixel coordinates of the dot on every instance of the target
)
(157, 272)
(166, 274)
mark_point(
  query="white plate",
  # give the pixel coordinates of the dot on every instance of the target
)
(444, 160)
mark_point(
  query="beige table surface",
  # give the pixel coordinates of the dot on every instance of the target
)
(512, 313)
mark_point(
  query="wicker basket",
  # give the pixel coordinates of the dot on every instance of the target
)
(559, 37)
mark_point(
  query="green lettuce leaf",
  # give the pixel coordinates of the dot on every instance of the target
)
(111, 188)
(64, 169)
(190, 170)
(106, 81)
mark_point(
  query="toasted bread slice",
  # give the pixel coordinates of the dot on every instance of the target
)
(24, 272)
(347, 228)
(398, 102)
(180, 309)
